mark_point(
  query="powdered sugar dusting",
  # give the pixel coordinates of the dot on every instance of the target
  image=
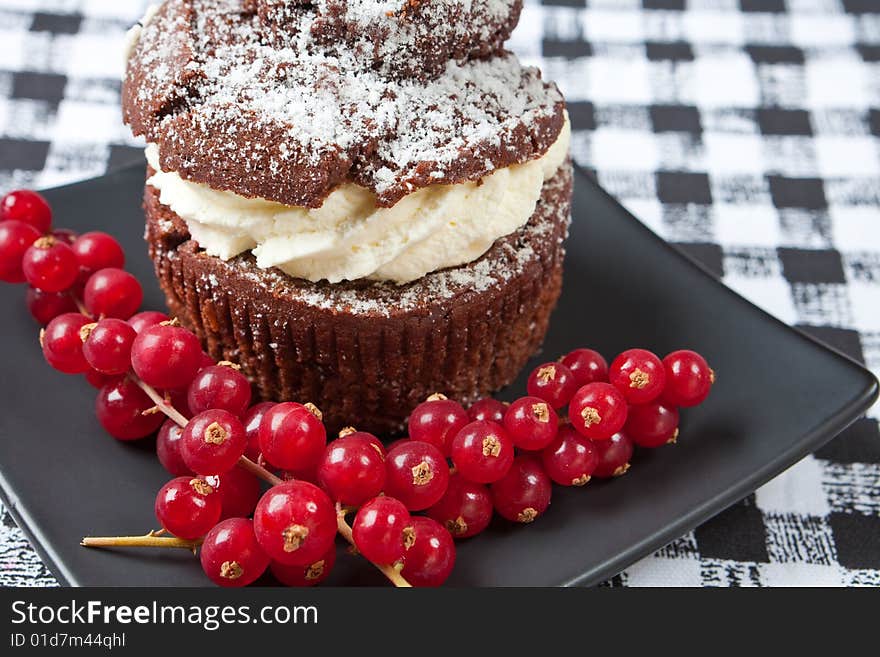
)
(210, 65)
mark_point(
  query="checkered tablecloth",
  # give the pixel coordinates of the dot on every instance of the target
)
(746, 131)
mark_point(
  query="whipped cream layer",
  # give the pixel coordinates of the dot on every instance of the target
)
(349, 237)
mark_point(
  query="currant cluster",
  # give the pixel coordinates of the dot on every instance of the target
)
(507, 456)
(445, 480)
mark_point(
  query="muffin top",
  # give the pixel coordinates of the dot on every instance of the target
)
(241, 95)
(402, 38)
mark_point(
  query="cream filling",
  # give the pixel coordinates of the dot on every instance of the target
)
(349, 237)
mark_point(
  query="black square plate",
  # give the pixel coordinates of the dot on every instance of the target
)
(780, 395)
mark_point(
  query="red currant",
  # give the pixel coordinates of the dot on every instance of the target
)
(231, 555)
(652, 425)
(570, 459)
(219, 386)
(489, 409)
(64, 235)
(16, 238)
(688, 378)
(187, 507)
(382, 530)
(466, 508)
(112, 293)
(46, 306)
(107, 346)
(292, 437)
(98, 250)
(614, 456)
(50, 265)
(239, 492)
(416, 473)
(251, 421)
(310, 575)
(295, 522)
(28, 207)
(351, 470)
(168, 449)
(597, 411)
(98, 380)
(147, 318)
(431, 558)
(63, 345)
(482, 452)
(552, 382)
(531, 423)
(436, 421)
(638, 374)
(212, 442)
(523, 493)
(123, 410)
(166, 356)
(586, 365)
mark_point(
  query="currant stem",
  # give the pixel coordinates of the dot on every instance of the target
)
(169, 410)
(151, 539)
(389, 571)
(160, 402)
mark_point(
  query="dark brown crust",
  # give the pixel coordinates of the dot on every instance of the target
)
(370, 365)
(439, 31)
(168, 98)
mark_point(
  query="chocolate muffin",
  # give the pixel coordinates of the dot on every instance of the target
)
(353, 231)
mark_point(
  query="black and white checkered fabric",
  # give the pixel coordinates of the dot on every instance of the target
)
(746, 131)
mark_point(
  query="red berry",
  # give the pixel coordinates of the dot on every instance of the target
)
(147, 318)
(552, 382)
(295, 522)
(239, 492)
(231, 555)
(416, 473)
(382, 530)
(64, 235)
(431, 558)
(466, 508)
(112, 293)
(292, 437)
(638, 374)
(50, 265)
(187, 507)
(212, 442)
(531, 423)
(177, 398)
(98, 250)
(523, 493)
(586, 365)
(310, 575)
(28, 207)
(652, 425)
(570, 459)
(120, 408)
(482, 452)
(436, 421)
(107, 346)
(489, 409)
(688, 378)
(166, 356)
(98, 380)
(16, 238)
(251, 421)
(614, 456)
(63, 345)
(168, 449)
(219, 386)
(597, 411)
(46, 306)
(351, 470)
